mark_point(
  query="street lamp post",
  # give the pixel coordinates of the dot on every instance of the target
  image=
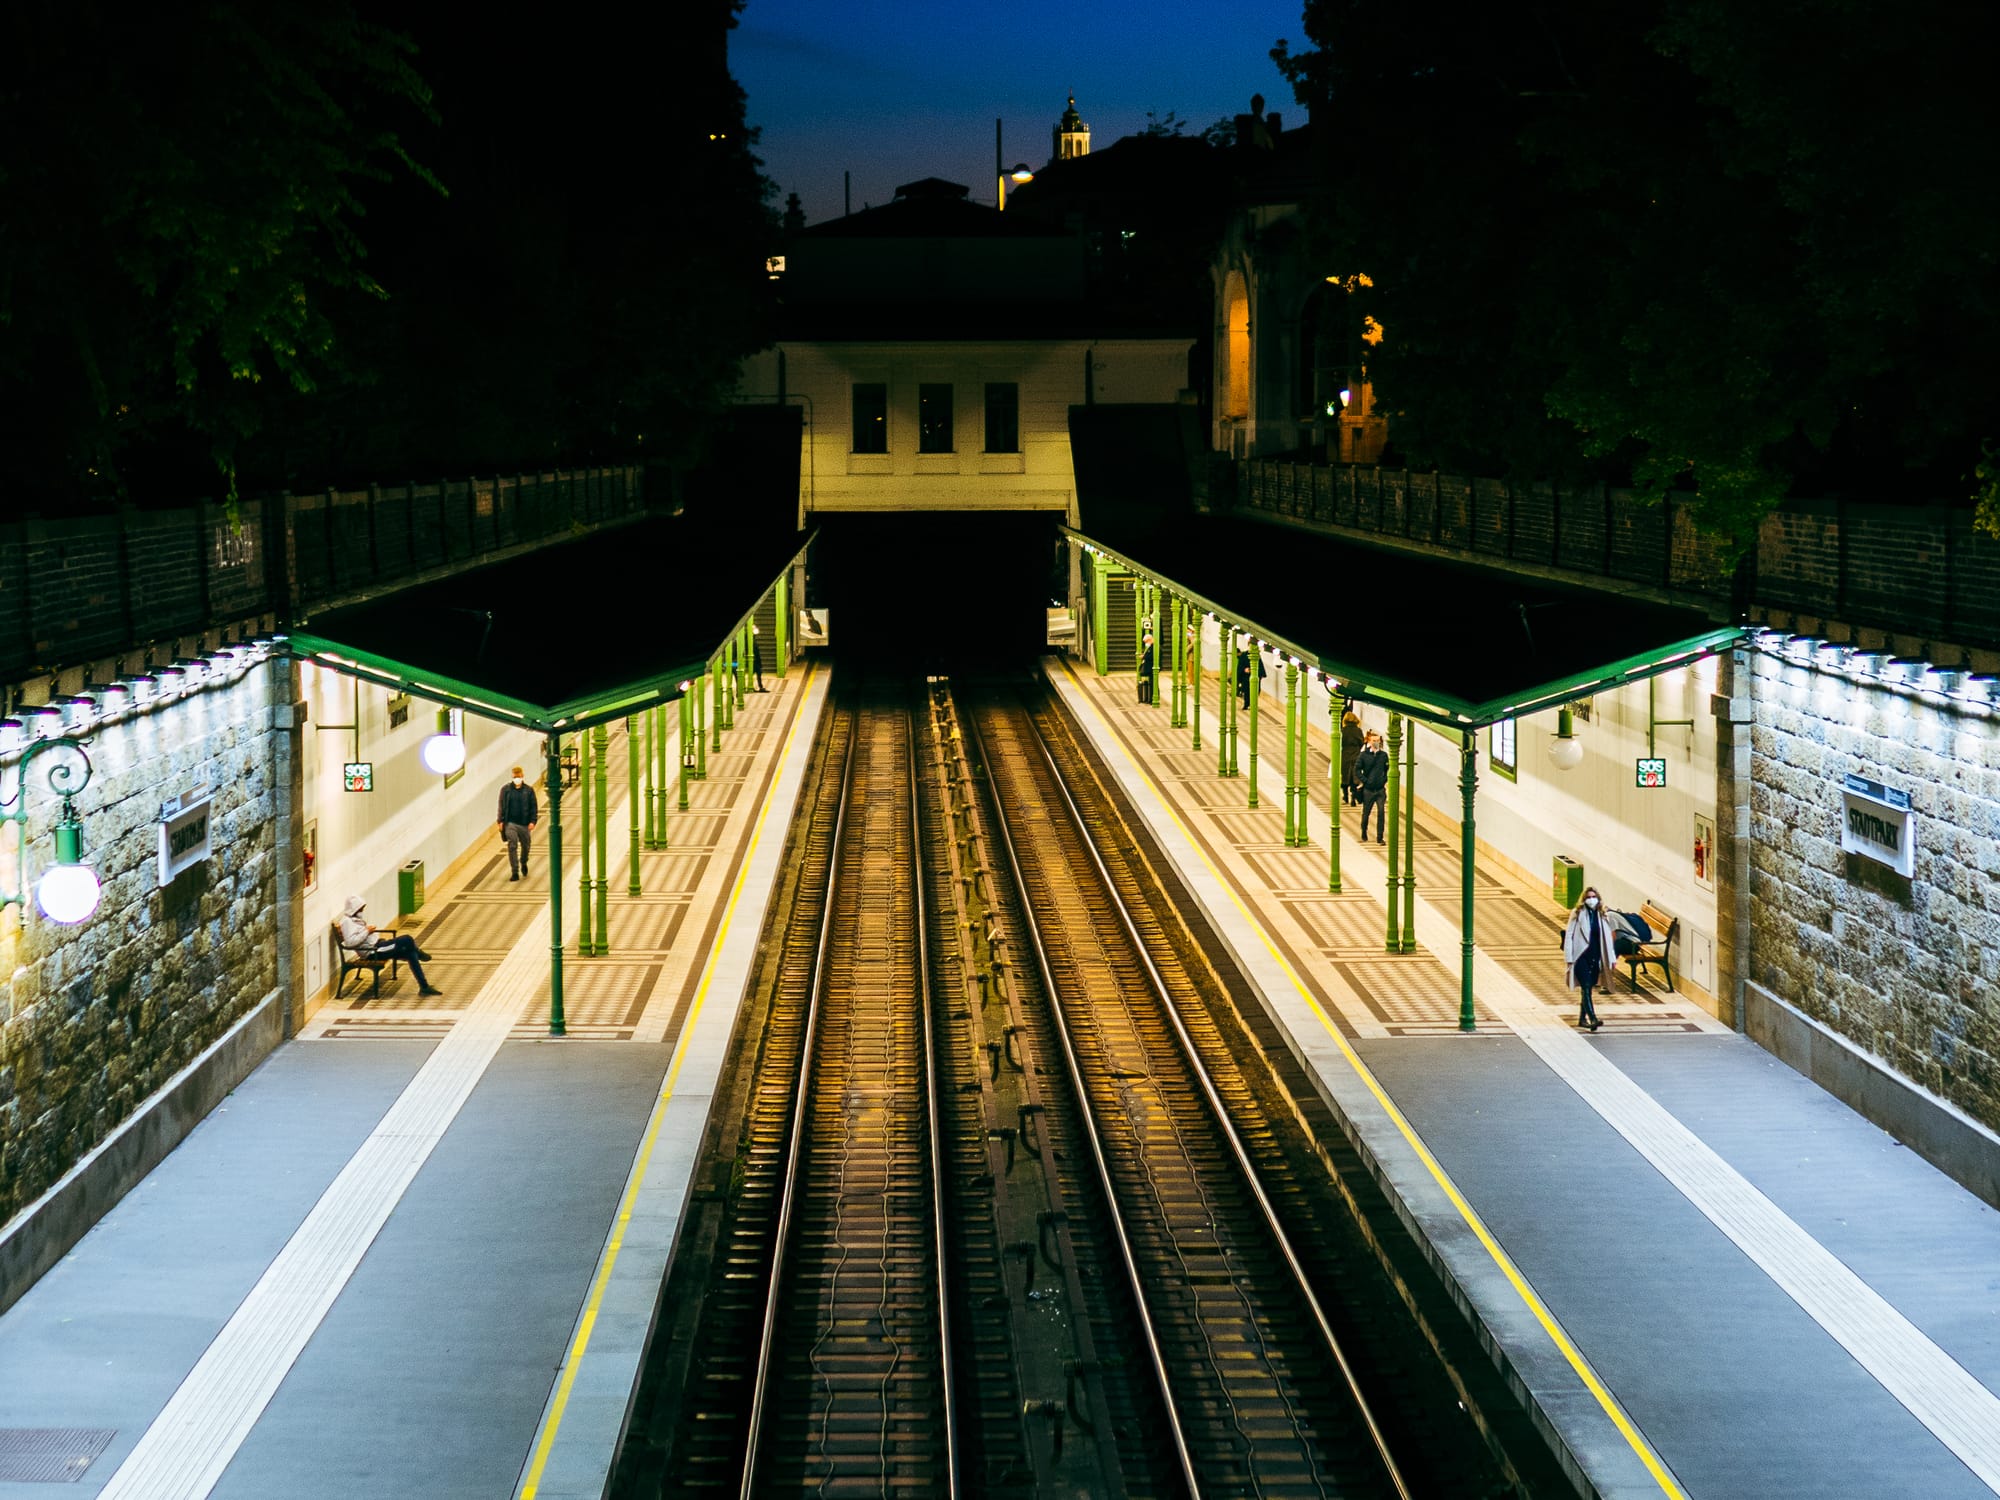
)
(1019, 173)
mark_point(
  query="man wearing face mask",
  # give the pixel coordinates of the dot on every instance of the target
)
(1587, 954)
(519, 812)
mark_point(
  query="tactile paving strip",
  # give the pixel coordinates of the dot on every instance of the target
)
(50, 1455)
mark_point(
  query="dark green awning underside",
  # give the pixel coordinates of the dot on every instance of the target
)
(1456, 646)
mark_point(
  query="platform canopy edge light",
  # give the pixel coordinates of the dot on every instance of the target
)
(1429, 702)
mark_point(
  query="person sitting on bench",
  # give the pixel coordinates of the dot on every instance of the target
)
(372, 942)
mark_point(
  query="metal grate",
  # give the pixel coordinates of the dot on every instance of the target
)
(50, 1455)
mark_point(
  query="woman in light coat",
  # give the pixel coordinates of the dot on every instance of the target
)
(1588, 958)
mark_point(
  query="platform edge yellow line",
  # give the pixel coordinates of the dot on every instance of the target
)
(580, 1340)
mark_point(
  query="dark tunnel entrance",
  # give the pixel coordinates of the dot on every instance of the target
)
(927, 588)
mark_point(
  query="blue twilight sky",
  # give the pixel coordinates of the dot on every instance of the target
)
(893, 91)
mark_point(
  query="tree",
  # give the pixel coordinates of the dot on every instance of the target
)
(180, 194)
(1665, 242)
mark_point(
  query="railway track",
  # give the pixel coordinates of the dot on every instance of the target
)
(1257, 1393)
(982, 1222)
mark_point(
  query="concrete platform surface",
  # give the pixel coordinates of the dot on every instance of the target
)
(377, 1267)
(1713, 1278)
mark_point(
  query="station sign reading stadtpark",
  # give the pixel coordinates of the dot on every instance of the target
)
(1876, 823)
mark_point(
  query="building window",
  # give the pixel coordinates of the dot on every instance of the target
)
(871, 417)
(1500, 748)
(934, 419)
(1003, 417)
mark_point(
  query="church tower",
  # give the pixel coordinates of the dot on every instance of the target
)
(1072, 135)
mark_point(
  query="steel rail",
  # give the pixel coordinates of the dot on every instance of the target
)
(1134, 1281)
(931, 1090)
(801, 1099)
(1218, 1109)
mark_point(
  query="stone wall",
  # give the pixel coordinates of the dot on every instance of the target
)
(1907, 969)
(94, 1018)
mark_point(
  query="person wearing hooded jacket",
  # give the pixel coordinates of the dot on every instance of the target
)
(359, 937)
(1587, 954)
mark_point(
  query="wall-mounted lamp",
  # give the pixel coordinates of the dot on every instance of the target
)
(1904, 668)
(444, 752)
(1980, 687)
(1939, 679)
(1867, 659)
(1565, 748)
(69, 889)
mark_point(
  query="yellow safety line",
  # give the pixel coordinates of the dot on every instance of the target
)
(581, 1340)
(1554, 1330)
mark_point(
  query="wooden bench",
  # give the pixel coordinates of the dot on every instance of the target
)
(370, 963)
(1660, 950)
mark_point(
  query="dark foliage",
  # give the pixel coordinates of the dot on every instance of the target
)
(1743, 250)
(221, 262)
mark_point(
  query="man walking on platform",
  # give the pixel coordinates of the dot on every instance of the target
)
(1371, 780)
(519, 812)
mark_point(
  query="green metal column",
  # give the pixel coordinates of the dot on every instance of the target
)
(715, 714)
(1225, 703)
(1394, 942)
(586, 942)
(1333, 787)
(1468, 784)
(1294, 822)
(555, 858)
(685, 748)
(781, 625)
(1256, 711)
(1100, 617)
(641, 731)
(1177, 607)
(602, 736)
(632, 794)
(701, 733)
(1138, 619)
(1409, 937)
(1195, 706)
(660, 770)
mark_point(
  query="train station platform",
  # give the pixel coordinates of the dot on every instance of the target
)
(1711, 1278)
(417, 1252)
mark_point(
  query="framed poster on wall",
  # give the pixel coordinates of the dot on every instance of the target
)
(1704, 851)
(311, 853)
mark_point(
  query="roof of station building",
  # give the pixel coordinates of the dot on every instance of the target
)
(1455, 644)
(594, 628)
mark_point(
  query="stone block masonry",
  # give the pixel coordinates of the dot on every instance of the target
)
(95, 1018)
(1908, 969)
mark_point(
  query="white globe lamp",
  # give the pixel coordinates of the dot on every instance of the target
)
(68, 892)
(1565, 748)
(444, 753)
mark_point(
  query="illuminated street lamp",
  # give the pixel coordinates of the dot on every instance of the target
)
(69, 890)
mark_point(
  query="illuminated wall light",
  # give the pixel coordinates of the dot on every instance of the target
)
(196, 668)
(115, 697)
(1867, 660)
(1903, 668)
(13, 735)
(171, 683)
(1939, 679)
(1980, 687)
(1770, 640)
(45, 722)
(145, 687)
(79, 713)
(1801, 646)
(1833, 653)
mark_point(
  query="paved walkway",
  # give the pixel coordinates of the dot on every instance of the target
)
(1714, 1279)
(416, 1252)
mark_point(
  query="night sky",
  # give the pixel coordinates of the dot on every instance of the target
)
(894, 92)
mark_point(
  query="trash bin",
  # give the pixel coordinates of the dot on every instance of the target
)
(410, 889)
(1568, 885)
